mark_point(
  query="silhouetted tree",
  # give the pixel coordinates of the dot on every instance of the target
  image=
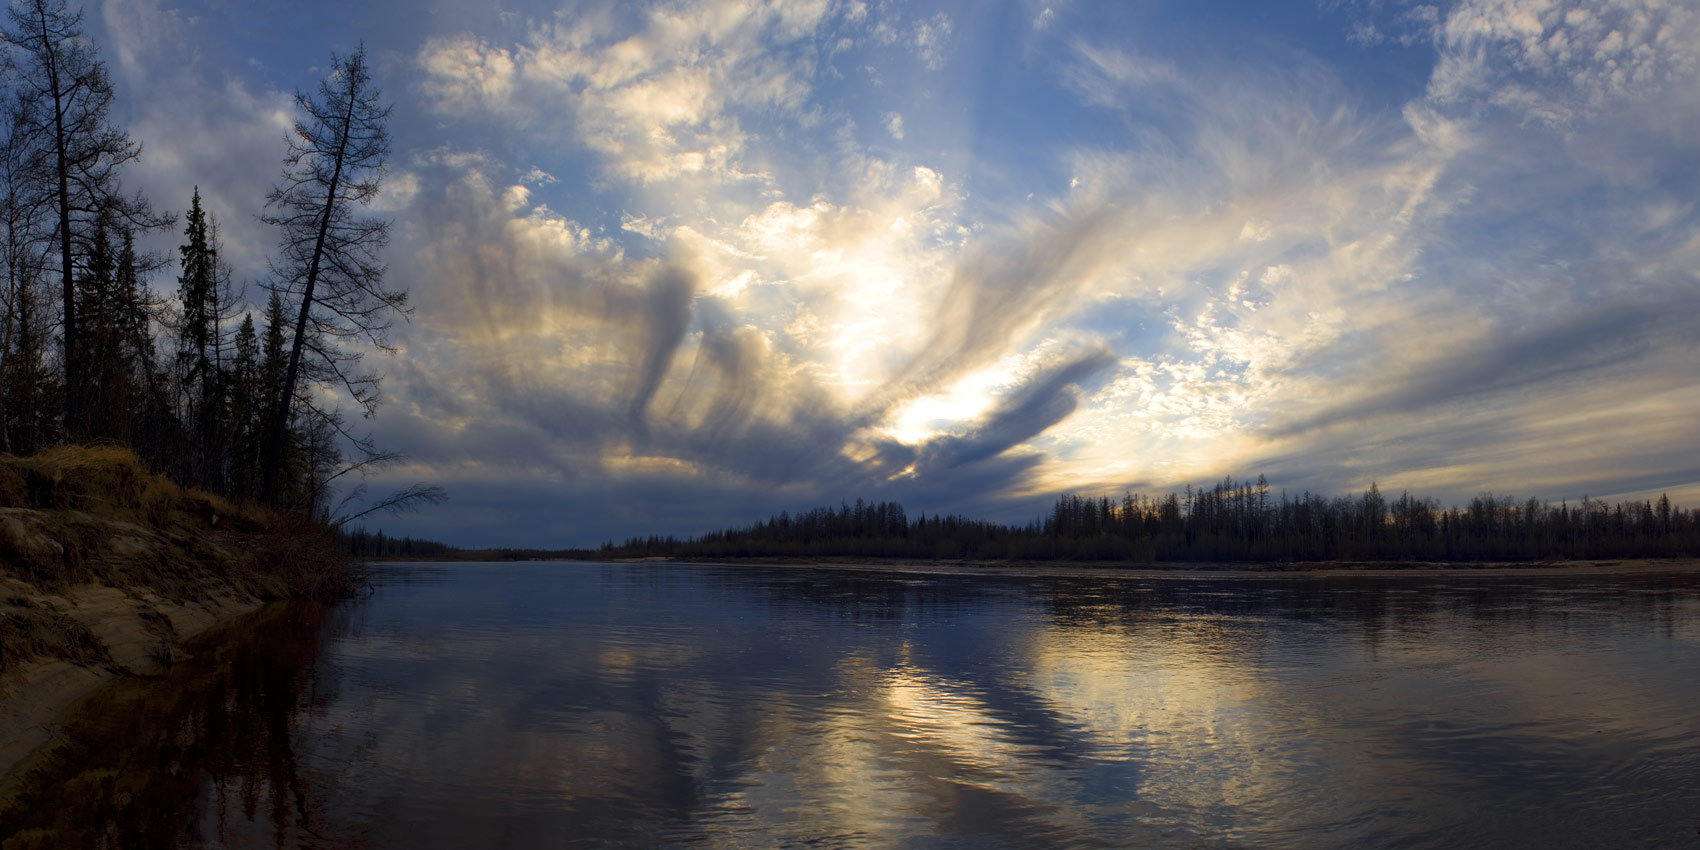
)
(1229, 521)
(205, 299)
(65, 141)
(328, 262)
(27, 382)
(247, 411)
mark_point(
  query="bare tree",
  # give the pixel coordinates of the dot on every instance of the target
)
(22, 203)
(63, 94)
(328, 259)
(404, 500)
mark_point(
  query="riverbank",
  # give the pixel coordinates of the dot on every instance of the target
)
(1119, 569)
(106, 569)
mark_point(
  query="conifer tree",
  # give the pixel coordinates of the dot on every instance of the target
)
(105, 366)
(198, 367)
(272, 354)
(247, 410)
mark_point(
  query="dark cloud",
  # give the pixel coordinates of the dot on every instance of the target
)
(1048, 398)
(624, 379)
(1590, 345)
(666, 315)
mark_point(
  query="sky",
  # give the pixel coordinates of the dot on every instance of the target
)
(676, 266)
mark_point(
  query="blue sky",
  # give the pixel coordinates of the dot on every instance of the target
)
(681, 265)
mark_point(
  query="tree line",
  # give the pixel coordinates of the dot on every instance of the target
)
(1228, 521)
(239, 397)
(361, 543)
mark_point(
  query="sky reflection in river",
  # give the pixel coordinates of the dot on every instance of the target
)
(516, 706)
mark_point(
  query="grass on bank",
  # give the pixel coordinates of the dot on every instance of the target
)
(78, 515)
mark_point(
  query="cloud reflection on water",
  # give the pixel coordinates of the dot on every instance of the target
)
(720, 708)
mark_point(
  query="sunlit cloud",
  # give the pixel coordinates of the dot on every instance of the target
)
(770, 254)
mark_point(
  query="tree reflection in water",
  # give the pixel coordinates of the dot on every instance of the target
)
(202, 756)
(592, 705)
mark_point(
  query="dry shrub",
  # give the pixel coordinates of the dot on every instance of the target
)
(302, 557)
(215, 511)
(102, 480)
(110, 481)
(161, 500)
(95, 514)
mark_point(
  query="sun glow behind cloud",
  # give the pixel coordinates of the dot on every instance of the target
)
(778, 252)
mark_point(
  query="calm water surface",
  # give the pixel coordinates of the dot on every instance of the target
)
(585, 705)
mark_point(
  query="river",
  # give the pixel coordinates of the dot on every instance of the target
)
(634, 705)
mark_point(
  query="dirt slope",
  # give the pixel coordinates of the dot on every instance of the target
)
(105, 569)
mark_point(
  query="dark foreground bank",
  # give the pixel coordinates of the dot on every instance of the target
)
(106, 569)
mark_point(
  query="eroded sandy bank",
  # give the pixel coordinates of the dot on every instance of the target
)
(132, 632)
(105, 569)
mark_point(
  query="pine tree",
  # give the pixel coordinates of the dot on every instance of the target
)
(137, 312)
(287, 486)
(106, 370)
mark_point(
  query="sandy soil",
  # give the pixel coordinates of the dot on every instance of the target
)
(138, 631)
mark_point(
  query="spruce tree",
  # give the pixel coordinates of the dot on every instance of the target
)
(246, 412)
(198, 374)
(272, 354)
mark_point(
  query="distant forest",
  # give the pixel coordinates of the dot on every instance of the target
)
(1230, 521)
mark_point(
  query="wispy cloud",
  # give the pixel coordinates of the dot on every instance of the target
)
(754, 254)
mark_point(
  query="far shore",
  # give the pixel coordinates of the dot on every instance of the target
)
(1113, 569)
(1175, 569)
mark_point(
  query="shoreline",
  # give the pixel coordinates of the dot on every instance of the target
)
(1184, 570)
(107, 569)
(138, 634)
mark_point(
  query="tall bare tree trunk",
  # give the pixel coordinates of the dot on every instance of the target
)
(280, 422)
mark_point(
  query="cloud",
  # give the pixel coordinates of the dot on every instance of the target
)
(930, 40)
(546, 349)
(1502, 364)
(464, 75)
(199, 128)
(998, 296)
(667, 296)
(1557, 62)
(658, 102)
(894, 125)
(1359, 311)
(671, 248)
(1045, 400)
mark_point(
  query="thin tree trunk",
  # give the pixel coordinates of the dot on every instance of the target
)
(62, 170)
(275, 456)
